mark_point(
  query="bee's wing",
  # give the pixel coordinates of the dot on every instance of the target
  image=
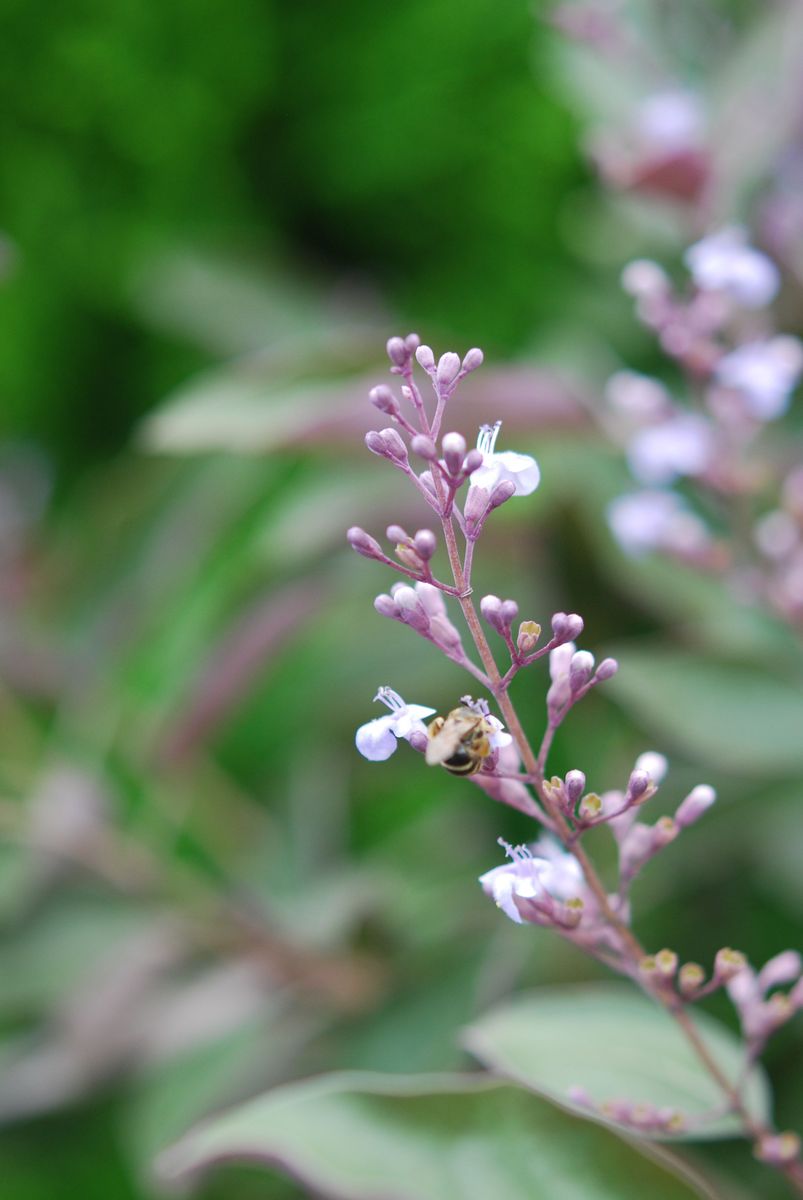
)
(443, 744)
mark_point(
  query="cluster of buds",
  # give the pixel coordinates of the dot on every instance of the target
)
(761, 1007)
(640, 1117)
(741, 375)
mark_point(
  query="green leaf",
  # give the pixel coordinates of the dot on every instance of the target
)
(616, 1044)
(358, 1136)
(725, 714)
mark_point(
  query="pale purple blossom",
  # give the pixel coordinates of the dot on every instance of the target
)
(682, 445)
(670, 120)
(765, 373)
(655, 520)
(551, 874)
(726, 262)
(505, 466)
(377, 739)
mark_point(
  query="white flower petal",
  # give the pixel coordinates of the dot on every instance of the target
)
(375, 740)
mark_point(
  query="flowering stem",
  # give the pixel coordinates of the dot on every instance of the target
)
(632, 950)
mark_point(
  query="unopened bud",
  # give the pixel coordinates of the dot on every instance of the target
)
(424, 357)
(566, 626)
(382, 398)
(778, 1149)
(425, 543)
(386, 606)
(575, 783)
(387, 444)
(728, 963)
(473, 461)
(454, 451)
(491, 609)
(580, 669)
(569, 913)
(364, 544)
(654, 764)
(395, 533)
(510, 610)
(691, 978)
(698, 801)
(412, 342)
(424, 447)
(502, 492)
(474, 358)
(638, 784)
(527, 640)
(606, 669)
(418, 740)
(476, 506)
(448, 369)
(398, 353)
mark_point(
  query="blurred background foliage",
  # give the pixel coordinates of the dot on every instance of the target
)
(213, 216)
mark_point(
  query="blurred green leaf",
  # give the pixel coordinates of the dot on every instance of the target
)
(725, 714)
(616, 1044)
(357, 1136)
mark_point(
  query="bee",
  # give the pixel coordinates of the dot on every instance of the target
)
(459, 742)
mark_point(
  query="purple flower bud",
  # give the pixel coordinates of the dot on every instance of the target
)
(444, 633)
(387, 444)
(427, 483)
(412, 342)
(424, 447)
(698, 801)
(395, 533)
(638, 784)
(382, 398)
(454, 451)
(778, 1149)
(473, 359)
(574, 783)
(386, 606)
(580, 669)
(425, 358)
(364, 544)
(431, 599)
(606, 669)
(502, 492)
(510, 610)
(448, 369)
(476, 505)
(578, 1095)
(398, 352)
(473, 461)
(566, 626)
(425, 543)
(411, 609)
(491, 609)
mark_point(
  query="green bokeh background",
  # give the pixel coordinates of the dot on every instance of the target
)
(248, 198)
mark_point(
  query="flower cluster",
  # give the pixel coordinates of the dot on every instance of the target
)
(553, 883)
(740, 376)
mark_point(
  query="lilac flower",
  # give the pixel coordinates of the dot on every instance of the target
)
(377, 739)
(554, 875)
(726, 262)
(637, 396)
(683, 445)
(670, 120)
(653, 520)
(766, 373)
(519, 469)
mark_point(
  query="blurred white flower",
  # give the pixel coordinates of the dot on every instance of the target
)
(726, 262)
(766, 373)
(660, 454)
